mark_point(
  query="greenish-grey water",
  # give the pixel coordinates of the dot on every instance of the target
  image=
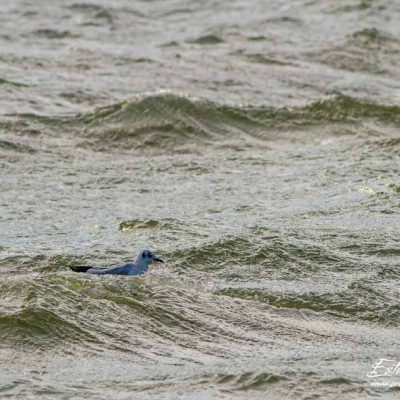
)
(254, 145)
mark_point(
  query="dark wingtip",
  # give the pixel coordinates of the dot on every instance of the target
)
(80, 268)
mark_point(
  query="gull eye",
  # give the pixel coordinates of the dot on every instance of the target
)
(144, 254)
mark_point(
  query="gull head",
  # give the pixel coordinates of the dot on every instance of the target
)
(148, 257)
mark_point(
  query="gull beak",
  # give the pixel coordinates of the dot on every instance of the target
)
(159, 260)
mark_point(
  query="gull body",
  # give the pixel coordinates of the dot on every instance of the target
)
(139, 267)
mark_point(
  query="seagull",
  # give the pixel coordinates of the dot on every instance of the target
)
(139, 267)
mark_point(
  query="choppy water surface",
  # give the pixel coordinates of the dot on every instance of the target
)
(253, 144)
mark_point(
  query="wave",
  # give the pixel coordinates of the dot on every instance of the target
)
(358, 302)
(369, 50)
(14, 146)
(36, 326)
(372, 37)
(273, 258)
(53, 34)
(13, 83)
(387, 146)
(83, 313)
(171, 229)
(247, 380)
(167, 122)
(270, 251)
(148, 225)
(207, 39)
